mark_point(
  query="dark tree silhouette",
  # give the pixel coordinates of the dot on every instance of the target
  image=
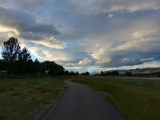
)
(77, 73)
(36, 66)
(85, 74)
(128, 74)
(2, 65)
(23, 61)
(66, 72)
(109, 73)
(52, 68)
(10, 50)
(102, 73)
(24, 55)
(17, 61)
(72, 73)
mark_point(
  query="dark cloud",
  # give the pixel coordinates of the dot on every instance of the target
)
(135, 54)
(20, 3)
(26, 24)
(40, 28)
(106, 6)
(92, 33)
(31, 36)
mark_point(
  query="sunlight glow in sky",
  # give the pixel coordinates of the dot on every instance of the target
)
(86, 35)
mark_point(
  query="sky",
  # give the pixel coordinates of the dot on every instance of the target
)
(86, 35)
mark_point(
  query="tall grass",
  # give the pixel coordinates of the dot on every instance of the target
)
(21, 98)
(136, 99)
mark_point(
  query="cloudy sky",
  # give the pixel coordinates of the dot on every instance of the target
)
(86, 35)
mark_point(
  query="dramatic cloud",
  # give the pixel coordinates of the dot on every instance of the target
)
(85, 35)
(103, 6)
(148, 59)
(25, 24)
(20, 3)
(85, 62)
(144, 33)
(131, 52)
(51, 43)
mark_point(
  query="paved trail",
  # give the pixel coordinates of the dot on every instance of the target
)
(81, 102)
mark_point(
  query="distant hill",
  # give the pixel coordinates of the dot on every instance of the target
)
(140, 70)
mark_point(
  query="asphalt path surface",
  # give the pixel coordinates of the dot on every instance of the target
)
(80, 102)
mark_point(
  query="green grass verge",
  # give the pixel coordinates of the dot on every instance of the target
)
(21, 98)
(136, 99)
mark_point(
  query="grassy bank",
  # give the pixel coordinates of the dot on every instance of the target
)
(21, 98)
(137, 99)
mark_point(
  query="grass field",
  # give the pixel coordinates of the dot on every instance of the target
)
(137, 99)
(21, 98)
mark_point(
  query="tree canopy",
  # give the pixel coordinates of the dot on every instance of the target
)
(10, 50)
(18, 61)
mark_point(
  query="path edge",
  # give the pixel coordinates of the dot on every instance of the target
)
(47, 108)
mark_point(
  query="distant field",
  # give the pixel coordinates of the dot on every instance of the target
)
(135, 98)
(21, 98)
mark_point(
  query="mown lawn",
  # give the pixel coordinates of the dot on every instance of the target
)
(21, 98)
(137, 99)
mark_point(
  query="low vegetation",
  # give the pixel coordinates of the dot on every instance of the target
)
(21, 98)
(137, 99)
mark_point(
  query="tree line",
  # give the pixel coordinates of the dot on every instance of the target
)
(128, 74)
(18, 61)
(76, 73)
(109, 73)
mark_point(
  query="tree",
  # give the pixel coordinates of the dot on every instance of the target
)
(30, 66)
(128, 74)
(77, 73)
(2, 65)
(17, 61)
(10, 50)
(114, 73)
(102, 73)
(72, 73)
(53, 69)
(87, 73)
(24, 55)
(66, 72)
(36, 67)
